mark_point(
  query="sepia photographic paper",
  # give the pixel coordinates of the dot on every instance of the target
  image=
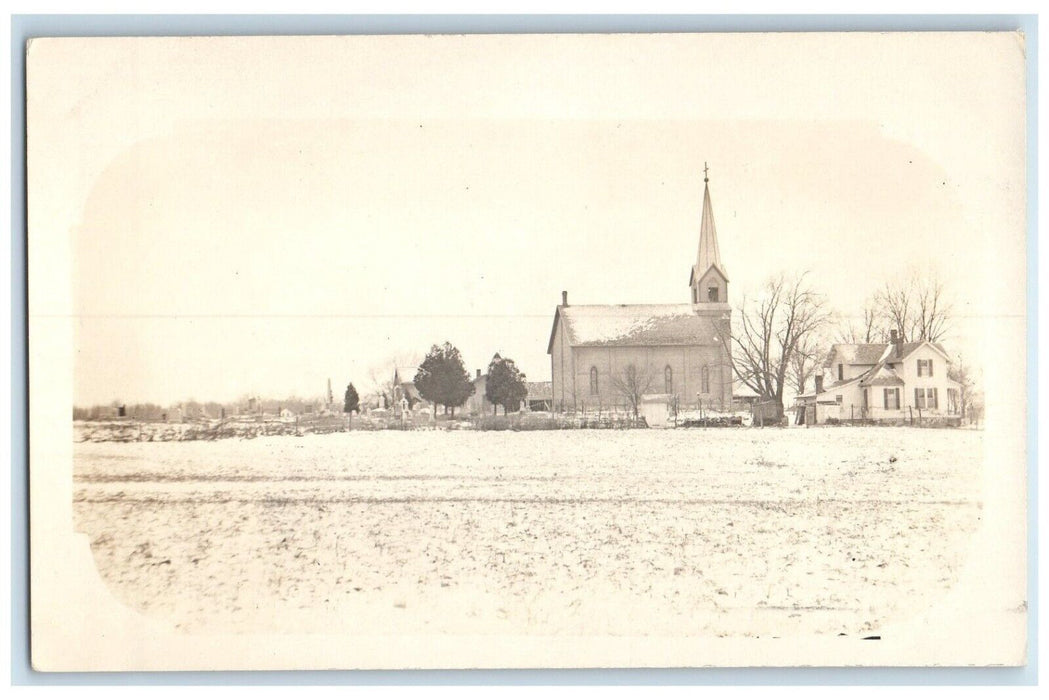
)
(527, 351)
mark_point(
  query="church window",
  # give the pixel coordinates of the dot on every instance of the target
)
(712, 294)
(705, 380)
(668, 379)
(593, 381)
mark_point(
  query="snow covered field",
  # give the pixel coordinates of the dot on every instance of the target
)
(682, 532)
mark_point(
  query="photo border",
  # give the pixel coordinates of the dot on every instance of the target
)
(24, 27)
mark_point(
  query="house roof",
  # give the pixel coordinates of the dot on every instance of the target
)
(882, 372)
(873, 353)
(881, 375)
(855, 354)
(609, 325)
(843, 382)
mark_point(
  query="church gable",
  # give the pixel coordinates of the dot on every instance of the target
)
(712, 287)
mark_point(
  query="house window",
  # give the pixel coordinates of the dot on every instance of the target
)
(668, 380)
(925, 398)
(837, 399)
(593, 381)
(705, 380)
(712, 293)
(924, 368)
(892, 399)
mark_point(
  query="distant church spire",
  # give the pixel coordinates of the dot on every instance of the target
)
(708, 233)
(708, 281)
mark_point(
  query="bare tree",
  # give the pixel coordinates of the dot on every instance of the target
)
(872, 328)
(380, 376)
(772, 329)
(917, 308)
(970, 397)
(807, 357)
(632, 384)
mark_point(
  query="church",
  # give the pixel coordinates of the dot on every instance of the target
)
(682, 350)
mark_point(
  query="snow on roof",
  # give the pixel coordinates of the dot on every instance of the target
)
(882, 376)
(872, 353)
(855, 354)
(637, 324)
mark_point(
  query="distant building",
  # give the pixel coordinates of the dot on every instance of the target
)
(677, 349)
(478, 404)
(404, 389)
(540, 396)
(743, 394)
(883, 381)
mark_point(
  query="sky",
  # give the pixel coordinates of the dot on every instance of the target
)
(218, 218)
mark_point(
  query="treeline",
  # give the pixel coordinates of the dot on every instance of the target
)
(195, 409)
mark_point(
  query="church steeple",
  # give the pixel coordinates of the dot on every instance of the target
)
(708, 281)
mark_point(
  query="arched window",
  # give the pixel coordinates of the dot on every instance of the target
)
(705, 379)
(668, 380)
(593, 381)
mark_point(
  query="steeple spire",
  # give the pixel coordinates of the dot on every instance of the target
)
(708, 281)
(708, 235)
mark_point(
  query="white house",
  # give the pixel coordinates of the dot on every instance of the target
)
(891, 381)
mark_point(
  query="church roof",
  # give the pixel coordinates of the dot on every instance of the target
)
(607, 325)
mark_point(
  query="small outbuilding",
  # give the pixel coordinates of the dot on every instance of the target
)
(656, 409)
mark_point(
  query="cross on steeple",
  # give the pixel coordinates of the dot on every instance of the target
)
(705, 169)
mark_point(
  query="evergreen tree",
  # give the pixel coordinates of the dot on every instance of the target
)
(351, 401)
(442, 378)
(506, 385)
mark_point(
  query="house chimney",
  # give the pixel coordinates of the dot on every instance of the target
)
(478, 374)
(819, 383)
(564, 298)
(894, 337)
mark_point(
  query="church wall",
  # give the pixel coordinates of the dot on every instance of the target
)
(686, 363)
